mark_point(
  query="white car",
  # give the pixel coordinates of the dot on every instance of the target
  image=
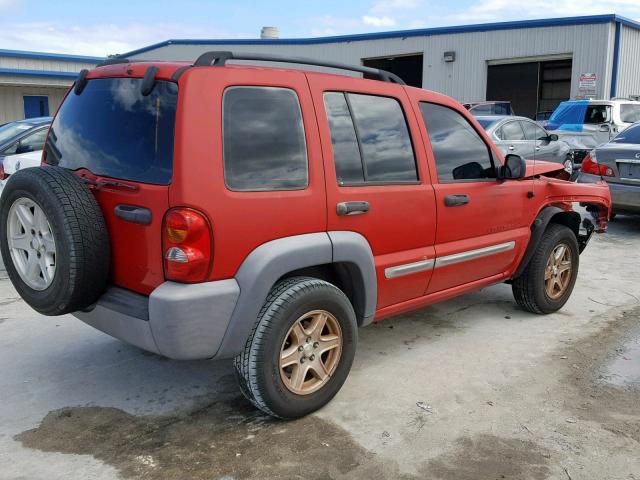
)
(13, 163)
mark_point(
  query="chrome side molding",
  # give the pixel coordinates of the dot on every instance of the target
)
(423, 265)
(473, 254)
(408, 268)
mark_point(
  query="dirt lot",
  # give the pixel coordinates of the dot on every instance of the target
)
(470, 389)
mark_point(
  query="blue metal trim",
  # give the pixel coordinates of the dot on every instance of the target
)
(49, 56)
(616, 59)
(38, 73)
(483, 27)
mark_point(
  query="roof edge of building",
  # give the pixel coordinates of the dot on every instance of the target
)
(49, 56)
(480, 27)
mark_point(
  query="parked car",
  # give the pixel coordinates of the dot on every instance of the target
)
(618, 163)
(23, 136)
(12, 163)
(586, 124)
(542, 118)
(489, 108)
(266, 214)
(524, 137)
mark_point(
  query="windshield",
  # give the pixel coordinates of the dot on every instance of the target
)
(630, 113)
(113, 130)
(629, 135)
(11, 130)
(487, 123)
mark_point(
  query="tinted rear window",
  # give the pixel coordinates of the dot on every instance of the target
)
(114, 131)
(263, 139)
(629, 135)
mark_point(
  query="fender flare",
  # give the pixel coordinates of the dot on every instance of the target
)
(269, 262)
(538, 227)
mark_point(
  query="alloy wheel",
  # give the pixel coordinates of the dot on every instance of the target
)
(557, 273)
(310, 352)
(31, 243)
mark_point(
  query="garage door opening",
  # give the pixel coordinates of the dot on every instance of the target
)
(533, 88)
(407, 67)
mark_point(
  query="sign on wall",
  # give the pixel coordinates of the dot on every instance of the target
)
(587, 85)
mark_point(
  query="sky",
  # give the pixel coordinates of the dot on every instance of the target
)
(99, 28)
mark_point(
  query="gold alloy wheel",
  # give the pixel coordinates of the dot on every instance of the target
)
(557, 273)
(310, 352)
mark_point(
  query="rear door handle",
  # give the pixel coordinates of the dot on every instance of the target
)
(512, 148)
(134, 214)
(456, 200)
(352, 208)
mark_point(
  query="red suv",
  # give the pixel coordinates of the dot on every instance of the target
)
(210, 210)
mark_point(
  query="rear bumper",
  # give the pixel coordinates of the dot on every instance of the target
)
(179, 321)
(623, 197)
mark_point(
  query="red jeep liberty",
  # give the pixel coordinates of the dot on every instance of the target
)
(263, 214)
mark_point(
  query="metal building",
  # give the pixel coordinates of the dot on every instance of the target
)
(534, 63)
(32, 84)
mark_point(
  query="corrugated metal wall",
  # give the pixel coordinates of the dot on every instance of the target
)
(628, 63)
(590, 46)
(12, 103)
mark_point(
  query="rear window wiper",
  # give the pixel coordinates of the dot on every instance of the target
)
(98, 184)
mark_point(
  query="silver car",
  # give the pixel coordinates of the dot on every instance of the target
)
(524, 137)
(618, 163)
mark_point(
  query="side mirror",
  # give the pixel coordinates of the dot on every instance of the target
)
(553, 137)
(604, 128)
(24, 148)
(514, 168)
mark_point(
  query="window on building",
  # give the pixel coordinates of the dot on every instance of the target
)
(263, 139)
(460, 153)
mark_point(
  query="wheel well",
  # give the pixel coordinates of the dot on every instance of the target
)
(569, 219)
(343, 275)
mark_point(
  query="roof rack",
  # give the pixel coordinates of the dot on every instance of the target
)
(220, 58)
(113, 61)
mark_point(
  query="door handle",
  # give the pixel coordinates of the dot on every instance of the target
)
(352, 208)
(456, 200)
(134, 214)
(512, 148)
(537, 149)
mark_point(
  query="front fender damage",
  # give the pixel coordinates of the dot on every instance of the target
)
(596, 197)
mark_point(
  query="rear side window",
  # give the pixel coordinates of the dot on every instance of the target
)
(263, 140)
(460, 153)
(628, 135)
(370, 138)
(630, 112)
(511, 131)
(114, 131)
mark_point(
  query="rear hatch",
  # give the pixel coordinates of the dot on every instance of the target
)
(121, 142)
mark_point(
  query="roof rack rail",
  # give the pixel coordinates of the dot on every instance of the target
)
(113, 61)
(220, 58)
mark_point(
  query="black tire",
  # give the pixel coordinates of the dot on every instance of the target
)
(257, 367)
(81, 239)
(529, 288)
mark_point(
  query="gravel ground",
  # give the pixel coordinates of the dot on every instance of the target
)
(473, 388)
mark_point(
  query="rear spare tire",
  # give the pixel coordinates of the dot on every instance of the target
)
(53, 240)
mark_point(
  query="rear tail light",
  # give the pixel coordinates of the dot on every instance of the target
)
(3, 176)
(187, 246)
(590, 165)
